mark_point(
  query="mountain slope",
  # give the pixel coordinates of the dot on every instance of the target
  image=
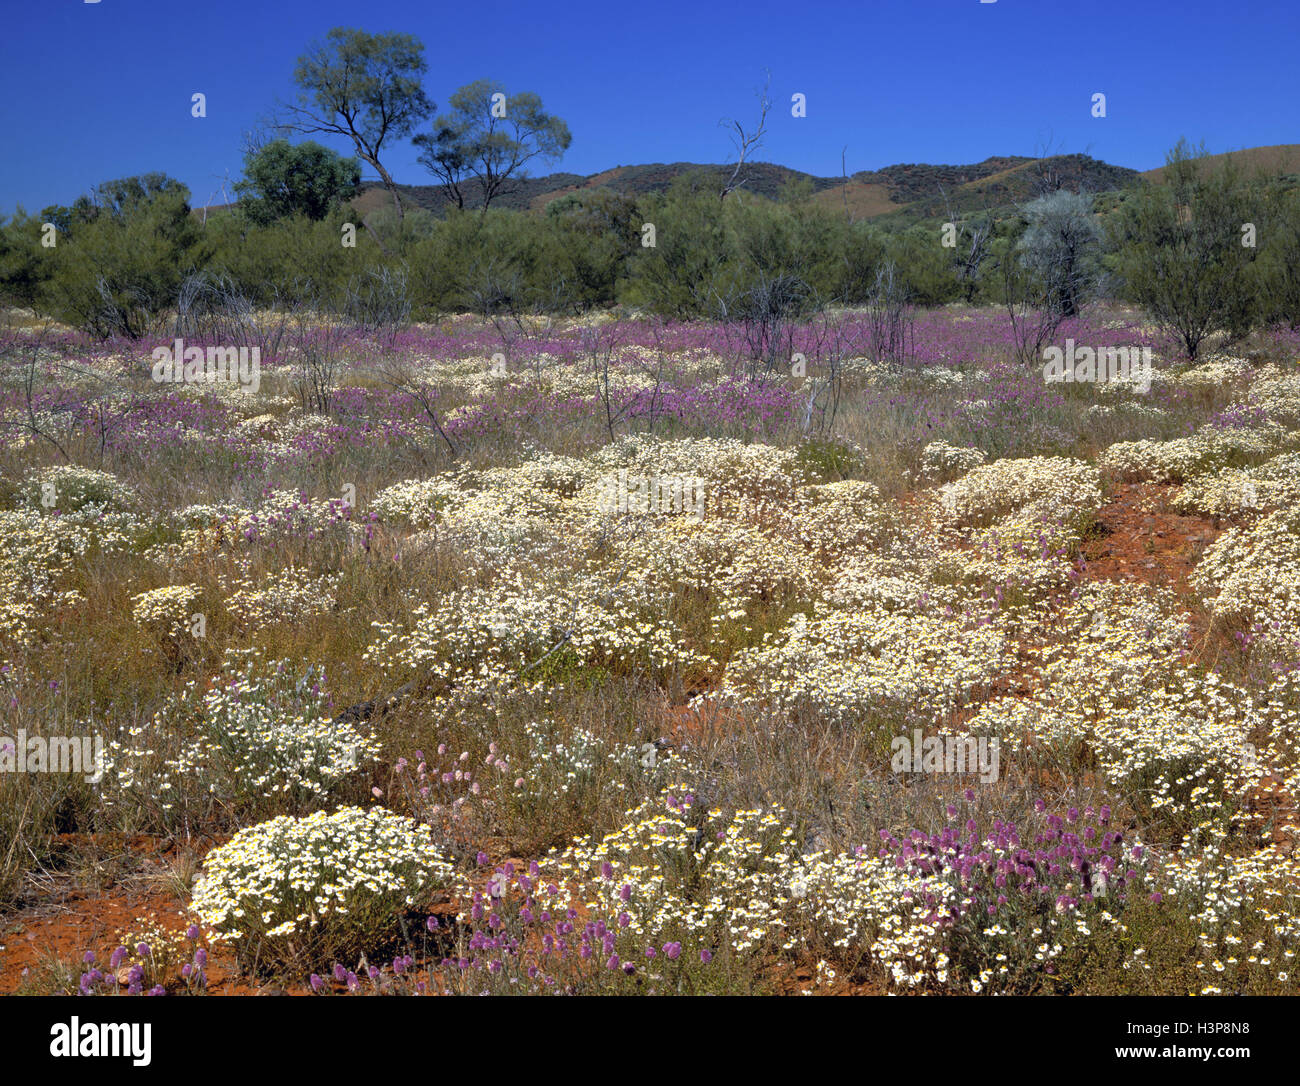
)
(920, 190)
(920, 187)
(1281, 158)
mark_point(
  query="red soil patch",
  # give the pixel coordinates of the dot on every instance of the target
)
(1273, 810)
(1141, 539)
(64, 930)
(684, 724)
(795, 979)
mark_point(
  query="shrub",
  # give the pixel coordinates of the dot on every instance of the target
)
(67, 488)
(829, 461)
(941, 462)
(1039, 488)
(119, 270)
(1180, 252)
(261, 739)
(298, 893)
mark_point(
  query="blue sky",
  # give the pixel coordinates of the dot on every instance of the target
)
(96, 91)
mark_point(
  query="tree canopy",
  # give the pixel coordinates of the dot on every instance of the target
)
(284, 179)
(489, 137)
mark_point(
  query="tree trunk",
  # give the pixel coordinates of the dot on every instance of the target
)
(389, 184)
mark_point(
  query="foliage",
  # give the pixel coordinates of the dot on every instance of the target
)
(284, 179)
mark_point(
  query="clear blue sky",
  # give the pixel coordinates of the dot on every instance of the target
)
(96, 91)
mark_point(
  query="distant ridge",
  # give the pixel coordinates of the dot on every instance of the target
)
(922, 190)
(918, 187)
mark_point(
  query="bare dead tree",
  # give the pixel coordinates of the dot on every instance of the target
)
(401, 375)
(224, 190)
(832, 338)
(24, 352)
(1029, 304)
(655, 370)
(888, 318)
(254, 140)
(1045, 175)
(116, 309)
(975, 235)
(495, 290)
(760, 320)
(378, 301)
(214, 309)
(317, 349)
(746, 140)
(64, 398)
(600, 346)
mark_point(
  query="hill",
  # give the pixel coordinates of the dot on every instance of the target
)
(1283, 158)
(922, 188)
(912, 190)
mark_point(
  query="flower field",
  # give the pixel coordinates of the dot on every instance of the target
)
(581, 660)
